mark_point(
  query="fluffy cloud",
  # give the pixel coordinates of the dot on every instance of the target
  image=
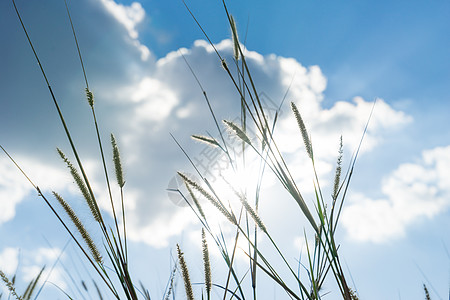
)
(145, 109)
(413, 192)
(151, 99)
(31, 263)
(9, 259)
(129, 17)
(156, 101)
(14, 187)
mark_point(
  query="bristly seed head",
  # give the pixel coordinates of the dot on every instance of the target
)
(235, 38)
(224, 65)
(207, 140)
(207, 264)
(80, 227)
(208, 196)
(337, 176)
(252, 212)
(185, 274)
(194, 198)
(82, 186)
(303, 131)
(90, 97)
(237, 131)
(10, 285)
(117, 162)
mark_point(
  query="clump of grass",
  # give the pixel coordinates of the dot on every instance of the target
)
(32, 286)
(322, 261)
(10, 286)
(29, 291)
(114, 241)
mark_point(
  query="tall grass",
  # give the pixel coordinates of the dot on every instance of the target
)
(111, 262)
(29, 291)
(323, 259)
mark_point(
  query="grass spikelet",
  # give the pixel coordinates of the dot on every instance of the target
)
(337, 176)
(302, 127)
(90, 97)
(185, 274)
(80, 227)
(196, 203)
(117, 162)
(82, 187)
(208, 196)
(238, 131)
(427, 294)
(171, 283)
(9, 285)
(207, 265)
(223, 63)
(235, 38)
(207, 140)
(252, 213)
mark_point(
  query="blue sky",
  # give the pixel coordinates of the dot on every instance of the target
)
(339, 57)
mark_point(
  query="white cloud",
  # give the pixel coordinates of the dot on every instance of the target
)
(155, 99)
(9, 259)
(130, 17)
(14, 187)
(157, 231)
(31, 263)
(414, 191)
(344, 118)
(36, 260)
(151, 99)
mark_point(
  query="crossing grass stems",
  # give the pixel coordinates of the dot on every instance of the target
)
(112, 261)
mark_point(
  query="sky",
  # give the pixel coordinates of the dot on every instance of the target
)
(334, 58)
